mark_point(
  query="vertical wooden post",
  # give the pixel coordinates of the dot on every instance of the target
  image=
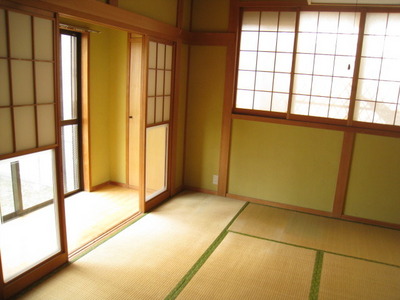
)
(344, 174)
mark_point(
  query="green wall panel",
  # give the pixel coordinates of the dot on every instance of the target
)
(285, 164)
(204, 115)
(374, 186)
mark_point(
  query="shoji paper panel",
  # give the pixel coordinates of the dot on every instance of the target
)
(46, 132)
(25, 133)
(4, 83)
(22, 82)
(20, 35)
(44, 80)
(3, 36)
(43, 33)
(6, 136)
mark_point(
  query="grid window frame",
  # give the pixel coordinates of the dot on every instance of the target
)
(347, 117)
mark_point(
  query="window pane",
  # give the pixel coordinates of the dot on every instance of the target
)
(269, 21)
(68, 74)
(70, 154)
(266, 61)
(244, 99)
(262, 100)
(246, 80)
(379, 77)
(280, 102)
(251, 21)
(247, 60)
(264, 81)
(29, 238)
(249, 41)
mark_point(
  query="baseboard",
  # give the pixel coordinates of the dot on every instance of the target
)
(110, 182)
(371, 222)
(200, 190)
(281, 205)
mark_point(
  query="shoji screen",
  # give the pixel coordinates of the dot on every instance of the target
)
(27, 81)
(159, 83)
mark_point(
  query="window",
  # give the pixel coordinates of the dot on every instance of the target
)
(306, 64)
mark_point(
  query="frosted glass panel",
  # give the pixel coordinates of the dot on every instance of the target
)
(150, 110)
(283, 62)
(156, 160)
(308, 21)
(264, 81)
(364, 111)
(349, 22)
(328, 22)
(161, 56)
(251, 21)
(25, 133)
(262, 100)
(44, 82)
(300, 104)
(167, 88)
(22, 82)
(279, 102)
(247, 60)
(266, 61)
(376, 23)
(269, 21)
(287, 21)
(167, 108)
(43, 35)
(160, 83)
(338, 108)
(244, 99)
(393, 25)
(367, 89)
(168, 57)
(4, 83)
(152, 55)
(46, 125)
(20, 35)
(3, 39)
(319, 106)
(249, 41)
(6, 138)
(159, 109)
(385, 113)
(151, 84)
(246, 80)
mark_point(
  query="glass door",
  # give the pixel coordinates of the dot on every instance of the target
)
(158, 108)
(31, 234)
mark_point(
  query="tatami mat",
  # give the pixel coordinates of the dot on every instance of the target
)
(341, 237)
(147, 259)
(349, 278)
(249, 268)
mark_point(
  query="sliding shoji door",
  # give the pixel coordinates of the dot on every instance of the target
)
(158, 116)
(30, 231)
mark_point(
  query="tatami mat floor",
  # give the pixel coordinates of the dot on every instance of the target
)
(199, 246)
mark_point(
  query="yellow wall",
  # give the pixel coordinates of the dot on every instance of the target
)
(99, 106)
(118, 66)
(107, 86)
(181, 117)
(374, 186)
(161, 10)
(285, 164)
(204, 115)
(210, 15)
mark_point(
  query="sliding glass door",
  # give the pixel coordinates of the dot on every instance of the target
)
(31, 238)
(158, 116)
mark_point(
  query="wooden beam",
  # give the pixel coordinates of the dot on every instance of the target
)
(105, 14)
